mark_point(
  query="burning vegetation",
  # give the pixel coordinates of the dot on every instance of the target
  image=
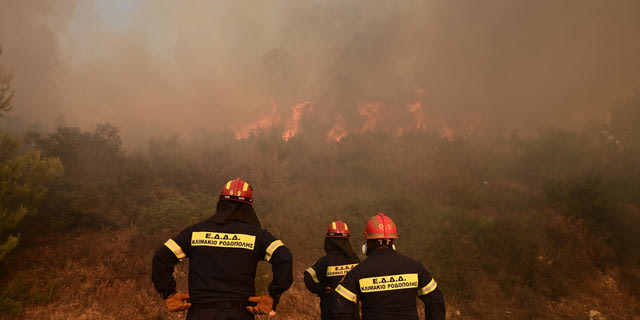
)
(373, 117)
(532, 226)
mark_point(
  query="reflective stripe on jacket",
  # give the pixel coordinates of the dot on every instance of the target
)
(222, 261)
(387, 284)
(327, 272)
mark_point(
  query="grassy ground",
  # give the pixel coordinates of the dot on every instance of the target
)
(106, 275)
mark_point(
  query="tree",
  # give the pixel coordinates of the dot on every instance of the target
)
(23, 176)
(93, 185)
(84, 154)
(6, 94)
(23, 185)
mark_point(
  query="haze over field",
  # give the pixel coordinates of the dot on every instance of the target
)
(162, 67)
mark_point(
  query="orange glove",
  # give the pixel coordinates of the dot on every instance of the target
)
(177, 302)
(264, 305)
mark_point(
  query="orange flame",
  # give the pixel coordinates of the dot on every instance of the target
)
(421, 119)
(293, 123)
(265, 121)
(371, 111)
(339, 129)
(376, 116)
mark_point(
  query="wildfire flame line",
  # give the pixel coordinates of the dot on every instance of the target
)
(376, 115)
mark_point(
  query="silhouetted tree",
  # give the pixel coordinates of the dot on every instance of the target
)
(5, 89)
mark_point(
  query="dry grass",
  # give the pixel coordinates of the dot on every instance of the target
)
(101, 275)
(106, 275)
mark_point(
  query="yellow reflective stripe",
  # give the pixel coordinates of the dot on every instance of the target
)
(272, 247)
(175, 248)
(390, 282)
(245, 187)
(313, 275)
(336, 271)
(229, 184)
(428, 288)
(346, 228)
(223, 240)
(333, 225)
(346, 293)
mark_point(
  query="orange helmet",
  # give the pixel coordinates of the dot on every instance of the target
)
(237, 190)
(338, 229)
(380, 227)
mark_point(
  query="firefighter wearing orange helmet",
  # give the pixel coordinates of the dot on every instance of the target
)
(223, 254)
(325, 274)
(386, 283)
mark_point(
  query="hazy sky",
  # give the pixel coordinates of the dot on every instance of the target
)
(152, 67)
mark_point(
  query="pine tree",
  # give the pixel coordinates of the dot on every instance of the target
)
(5, 89)
(23, 176)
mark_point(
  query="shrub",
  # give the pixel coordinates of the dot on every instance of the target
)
(176, 211)
(21, 292)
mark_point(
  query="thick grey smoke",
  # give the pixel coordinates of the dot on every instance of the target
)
(162, 67)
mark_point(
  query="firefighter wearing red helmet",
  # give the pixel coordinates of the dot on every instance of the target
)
(325, 274)
(386, 283)
(223, 253)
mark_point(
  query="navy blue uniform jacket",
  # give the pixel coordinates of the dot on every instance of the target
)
(327, 272)
(222, 261)
(387, 284)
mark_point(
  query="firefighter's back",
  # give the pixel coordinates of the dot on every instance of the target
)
(387, 283)
(223, 260)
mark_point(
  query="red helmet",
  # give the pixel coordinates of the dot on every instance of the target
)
(338, 229)
(237, 190)
(380, 227)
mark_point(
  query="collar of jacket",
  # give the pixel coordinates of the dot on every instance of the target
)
(339, 246)
(381, 251)
(235, 210)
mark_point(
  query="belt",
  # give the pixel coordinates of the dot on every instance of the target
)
(219, 305)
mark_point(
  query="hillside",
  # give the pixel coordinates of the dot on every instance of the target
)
(511, 227)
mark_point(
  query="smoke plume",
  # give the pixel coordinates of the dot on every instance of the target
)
(164, 67)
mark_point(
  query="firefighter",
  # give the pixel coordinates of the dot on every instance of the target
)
(325, 274)
(386, 283)
(223, 254)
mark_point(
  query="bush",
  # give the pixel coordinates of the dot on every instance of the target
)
(21, 292)
(176, 211)
(24, 182)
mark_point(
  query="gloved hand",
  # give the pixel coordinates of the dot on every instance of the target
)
(177, 302)
(264, 305)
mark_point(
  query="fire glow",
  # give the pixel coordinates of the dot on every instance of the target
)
(294, 122)
(265, 121)
(371, 111)
(339, 129)
(374, 116)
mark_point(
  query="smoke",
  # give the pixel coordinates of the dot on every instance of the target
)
(164, 67)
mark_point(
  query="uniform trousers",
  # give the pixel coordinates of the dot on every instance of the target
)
(219, 311)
